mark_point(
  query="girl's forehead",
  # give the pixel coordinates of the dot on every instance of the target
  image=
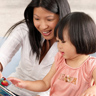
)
(65, 33)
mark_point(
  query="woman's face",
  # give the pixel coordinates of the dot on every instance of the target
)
(45, 22)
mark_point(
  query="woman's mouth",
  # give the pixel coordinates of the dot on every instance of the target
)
(46, 33)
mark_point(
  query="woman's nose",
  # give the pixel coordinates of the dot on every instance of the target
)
(43, 25)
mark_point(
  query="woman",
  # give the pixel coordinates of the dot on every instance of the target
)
(36, 38)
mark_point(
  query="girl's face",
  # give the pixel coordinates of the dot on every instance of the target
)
(66, 48)
(45, 22)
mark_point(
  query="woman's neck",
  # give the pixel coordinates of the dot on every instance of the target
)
(45, 48)
(51, 42)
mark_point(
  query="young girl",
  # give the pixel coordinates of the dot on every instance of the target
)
(73, 69)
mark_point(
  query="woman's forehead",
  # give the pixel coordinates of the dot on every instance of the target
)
(38, 10)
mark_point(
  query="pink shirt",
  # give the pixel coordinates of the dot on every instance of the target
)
(69, 81)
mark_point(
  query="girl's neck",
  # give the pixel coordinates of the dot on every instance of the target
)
(77, 61)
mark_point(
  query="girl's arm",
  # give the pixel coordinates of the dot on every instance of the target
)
(37, 86)
(92, 90)
(94, 75)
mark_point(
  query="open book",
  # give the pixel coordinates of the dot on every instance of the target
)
(5, 92)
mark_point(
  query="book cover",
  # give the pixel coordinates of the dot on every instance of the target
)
(4, 83)
(5, 92)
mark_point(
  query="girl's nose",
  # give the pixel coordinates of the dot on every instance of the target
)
(59, 45)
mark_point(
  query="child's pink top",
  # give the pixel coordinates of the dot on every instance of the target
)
(69, 81)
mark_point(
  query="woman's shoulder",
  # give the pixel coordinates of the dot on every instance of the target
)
(20, 30)
(22, 26)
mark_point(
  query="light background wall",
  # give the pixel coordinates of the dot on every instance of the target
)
(88, 6)
(11, 11)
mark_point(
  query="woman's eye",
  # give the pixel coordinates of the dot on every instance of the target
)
(36, 18)
(50, 19)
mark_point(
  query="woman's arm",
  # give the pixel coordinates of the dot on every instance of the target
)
(1, 67)
(37, 86)
(12, 44)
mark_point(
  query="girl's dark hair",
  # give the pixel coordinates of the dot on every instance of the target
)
(60, 7)
(81, 31)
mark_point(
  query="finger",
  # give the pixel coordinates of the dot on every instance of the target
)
(13, 79)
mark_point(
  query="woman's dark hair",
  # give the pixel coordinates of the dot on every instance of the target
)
(81, 31)
(60, 7)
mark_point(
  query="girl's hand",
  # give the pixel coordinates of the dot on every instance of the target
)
(17, 82)
(90, 91)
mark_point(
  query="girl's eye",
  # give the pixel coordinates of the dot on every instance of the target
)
(57, 40)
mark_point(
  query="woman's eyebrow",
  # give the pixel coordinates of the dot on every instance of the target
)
(46, 16)
(35, 15)
(50, 16)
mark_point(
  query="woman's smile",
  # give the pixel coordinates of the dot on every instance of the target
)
(47, 33)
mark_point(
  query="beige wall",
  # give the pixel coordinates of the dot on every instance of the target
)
(11, 11)
(88, 6)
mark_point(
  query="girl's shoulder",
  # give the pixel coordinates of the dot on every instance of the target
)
(89, 65)
(91, 61)
(58, 56)
(58, 59)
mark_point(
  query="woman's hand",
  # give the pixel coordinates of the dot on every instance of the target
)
(90, 91)
(17, 82)
(0, 74)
